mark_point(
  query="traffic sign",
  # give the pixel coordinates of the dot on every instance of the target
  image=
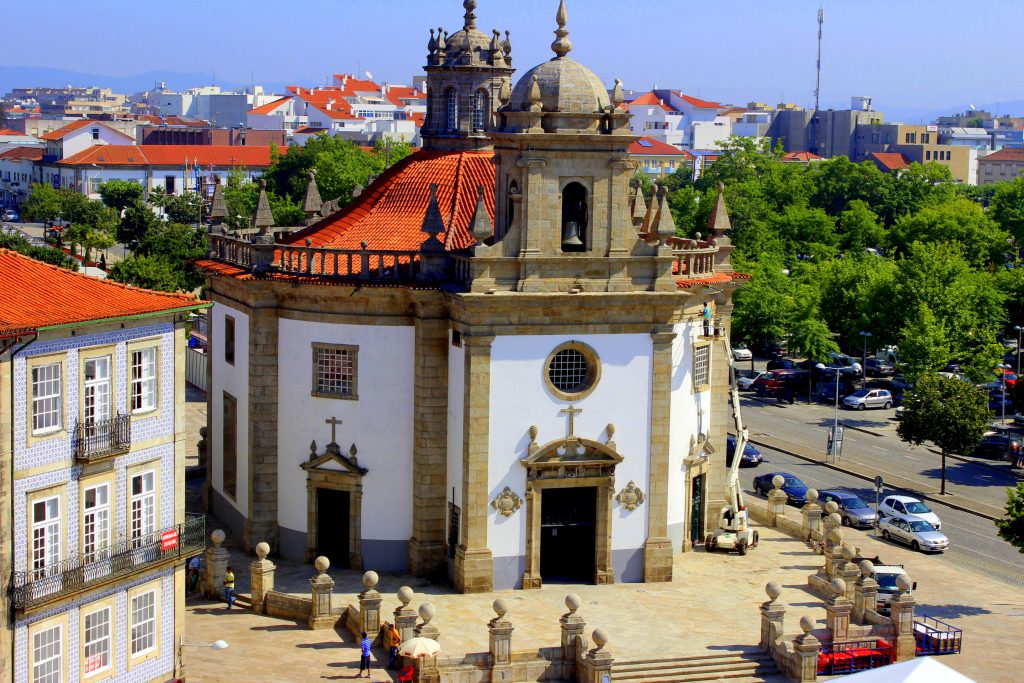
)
(878, 482)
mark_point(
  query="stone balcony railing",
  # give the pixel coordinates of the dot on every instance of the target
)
(693, 258)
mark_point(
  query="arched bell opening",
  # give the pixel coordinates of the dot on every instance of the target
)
(575, 218)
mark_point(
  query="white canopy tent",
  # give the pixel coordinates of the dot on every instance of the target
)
(920, 670)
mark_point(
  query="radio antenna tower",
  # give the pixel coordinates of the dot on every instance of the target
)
(817, 77)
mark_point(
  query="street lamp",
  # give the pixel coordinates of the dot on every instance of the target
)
(1004, 368)
(864, 359)
(835, 420)
(215, 645)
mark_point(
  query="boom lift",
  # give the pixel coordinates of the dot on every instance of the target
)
(733, 532)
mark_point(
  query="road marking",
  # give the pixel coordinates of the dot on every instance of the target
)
(879, 448)
(788, 420)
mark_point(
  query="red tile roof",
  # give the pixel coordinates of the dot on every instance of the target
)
(62, 133)
(650, 99)
(389, 214)
(8, 131)
(38, 295)
(309, 130)
(23, 153)
(655, 148)
(270, 107)
(1005, 154)
(250, 156)
(801, 156)
(890, 161)
(698, 103)
(396, 93)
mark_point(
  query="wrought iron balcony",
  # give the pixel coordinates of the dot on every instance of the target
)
(37, 587)
(103, 439)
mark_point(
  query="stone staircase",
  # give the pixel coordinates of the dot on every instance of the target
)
(740, 667)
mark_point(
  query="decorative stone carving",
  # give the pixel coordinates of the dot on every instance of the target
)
(507, 502)
(630, 497)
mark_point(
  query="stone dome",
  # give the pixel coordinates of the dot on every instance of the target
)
(565, 86)
(467, 46)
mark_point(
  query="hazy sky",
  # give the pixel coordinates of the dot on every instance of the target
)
(904, 53)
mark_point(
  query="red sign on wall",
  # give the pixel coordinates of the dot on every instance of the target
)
(169, 539)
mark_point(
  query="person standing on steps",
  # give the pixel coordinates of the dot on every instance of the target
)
(364, 656)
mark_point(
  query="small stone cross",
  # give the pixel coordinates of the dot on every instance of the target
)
(572, 411)
(334, 422)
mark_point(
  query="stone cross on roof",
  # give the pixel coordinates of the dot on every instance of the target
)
(572, 412)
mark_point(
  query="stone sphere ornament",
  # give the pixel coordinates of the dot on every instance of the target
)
(904, 583)
(322, 564)
(405, 595)
(836, 536)
(370, 579)
(867, 568)
(217, 536)
(499, 607)
(262, 550)
(847, 550)
(835, 520)
(812, 495)
(838, 586)
(773, 589)
(778, 480)
(426, 612)
(572, 602)
(832, 507)
(806, 624)
(600, 637)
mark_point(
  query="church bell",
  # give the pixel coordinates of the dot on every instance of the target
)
(571, 235)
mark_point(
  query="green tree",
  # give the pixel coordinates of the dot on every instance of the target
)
(184, 208)
(924, 344)
(838, 182)
(954, 220)
(150, 272)
(643, 181)
(44, 203)
(1007, 207)
(177, 245)
(809, 336)
(1011, 527)
(951, 414)
(49, 255)
(859, 227)
(762, 308)
(914, 188)
(118, 194)
(137, 220)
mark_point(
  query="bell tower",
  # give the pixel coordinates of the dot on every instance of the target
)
(467, 74)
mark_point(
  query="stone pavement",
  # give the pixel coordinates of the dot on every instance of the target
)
(195, 418)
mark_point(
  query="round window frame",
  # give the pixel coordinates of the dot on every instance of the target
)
(593, 377)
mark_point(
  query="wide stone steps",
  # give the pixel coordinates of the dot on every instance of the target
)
(739, 667)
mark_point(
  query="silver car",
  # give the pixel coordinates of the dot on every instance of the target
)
(913, 531)
(869, 398)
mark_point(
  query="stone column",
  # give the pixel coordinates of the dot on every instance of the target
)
(865, 592)
(500, 644)
(847, 570)
(425, 629)
(599, 660)
(405, 618)
(426, 667)
(216, 564)
(837, 612)
(261, 506)
(806, 648)
(777, 501)
(773, 615)
(369, 605)
(427, 547)
(322, 589)
(811, 513)
(572, 626)
(833, 541)
(658, 546)
(474, 562)
(261, 577)
(902, 614)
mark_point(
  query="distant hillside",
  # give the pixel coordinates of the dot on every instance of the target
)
(27, 76)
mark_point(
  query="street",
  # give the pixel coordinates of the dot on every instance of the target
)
(974, 543)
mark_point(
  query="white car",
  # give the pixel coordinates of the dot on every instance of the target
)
(744, 383)
(913, 531)
(897, 506)
(740, 352)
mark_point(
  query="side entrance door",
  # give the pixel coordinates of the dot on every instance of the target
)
(697, 509)
(332, 522)
(567, 528)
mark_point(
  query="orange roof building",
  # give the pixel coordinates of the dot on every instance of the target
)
(889, 161)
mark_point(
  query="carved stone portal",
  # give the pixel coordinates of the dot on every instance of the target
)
(630, 497)
(507, 502)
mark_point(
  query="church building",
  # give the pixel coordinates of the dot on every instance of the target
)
(491, 365)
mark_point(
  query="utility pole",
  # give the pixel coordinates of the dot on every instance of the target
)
(817, 78)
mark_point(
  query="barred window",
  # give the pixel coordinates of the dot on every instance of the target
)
(701, 365)
(479, 110)
(452, 109)
(572, 370)
(334, 371)
(144, 380)
(97, 641)
(46, 398)
(229, 339)
(143, 623)
(47, 656)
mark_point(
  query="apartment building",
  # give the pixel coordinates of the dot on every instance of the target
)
(1006, 164)
(825, 132)
(92, 505)
(658, 159)
(680, 120)
(918, 143)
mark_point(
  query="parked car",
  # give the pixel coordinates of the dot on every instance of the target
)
(905, 505)
(774, 349)
(795, 489)
(11, 215)
(997, 404)
(746, 383)
(782, 364)
(751, 456)
(741, 352)
(880, 368)
(868, 398)
(783, 384)
(853, 510)
(919, 534)
(844, 361)
(998, 447)
(826, 391)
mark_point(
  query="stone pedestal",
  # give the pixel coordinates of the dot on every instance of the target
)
(865, 592)
(776, 506)
(425, 629)
(810, 513)
(369, 605)
(405, 617)
(806, 648)
(657, 560)
(773, 615)
(902, 614)
(322, 589)
(837, 612)
(499, 632)
(216, 564)
(572, 627)
(261, 578)
(599, 660)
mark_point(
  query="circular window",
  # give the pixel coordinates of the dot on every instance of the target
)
(572, 371)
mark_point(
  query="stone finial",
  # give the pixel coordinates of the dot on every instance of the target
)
(835, 519)
(773, 590)
(433, 222)
(572, 602)
(495, 45)
(499, 607)
(806, 624)
(442, 44)
(718, 221)
(426, 612)
(836, 536)
(838, 587)
(219, 207)
(534, 431)
(480, 224)
(610, 430)
(639, 205)
(647, 225)
(618, 95)
(432, 44)
(370, 580)
(867, 568)
(322, 564)
(504, 93)
(506, 47)
(666, 226)
(600, 637)
(262, 550)
(562, 45)
(264, 217)
(847, 551)
(312, 449)
(217, 536)
(533, 95)
(470, 18)
(778, 480)
(812, 495)
(405, 596)
(831, 507)
(312, 202)
(904, 583)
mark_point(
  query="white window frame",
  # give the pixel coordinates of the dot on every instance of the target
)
(99, 638)
(47, 398)
(451, 110)
(701, 366)
(144, 395)
(142, 508)
(97, 391)
(143, 623)
(96, 521)
(46, 536)
(51, 660)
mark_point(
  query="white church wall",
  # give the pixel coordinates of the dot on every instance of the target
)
(686, 407)
(233, 379)
(379, 423)
(520, 398)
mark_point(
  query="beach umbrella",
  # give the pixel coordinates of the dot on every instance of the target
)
(419, 647)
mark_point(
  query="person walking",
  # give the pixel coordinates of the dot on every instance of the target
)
(396, 641)
(192, 574)
(229, 586)
(364, 656)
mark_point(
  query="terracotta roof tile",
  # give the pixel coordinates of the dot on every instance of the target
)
(37, 295)
(1005, 154)
(270, 107)
(650, 147)
(7, 131)
(801, 156)
(250, 156)
(650, 99)
(698, 103)
(62, 133)
(891, 161)
(26, 153)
